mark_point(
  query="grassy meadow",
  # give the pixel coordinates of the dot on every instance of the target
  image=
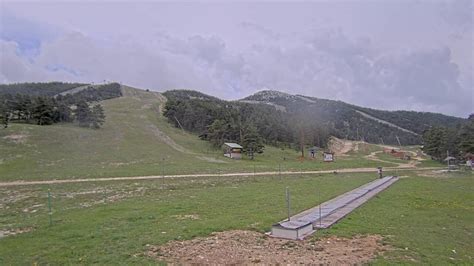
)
(424, 218)
(136, 140)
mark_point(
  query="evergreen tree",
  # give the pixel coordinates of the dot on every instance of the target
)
(435, 142)
(83, 114)
(4, 112)
(217, 132)
(252, 141)
(64, 113)
(466, 136)
(43, 111)
(98, 116)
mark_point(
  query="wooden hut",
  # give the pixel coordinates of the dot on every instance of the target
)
(328, 157)
(232, 150)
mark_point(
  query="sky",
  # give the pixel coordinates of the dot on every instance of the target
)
(391, 54)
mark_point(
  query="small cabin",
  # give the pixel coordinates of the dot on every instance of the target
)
(232, 150)
(312, 151)
(328, 157)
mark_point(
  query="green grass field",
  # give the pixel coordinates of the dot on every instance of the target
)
(135, 140)
(423, 218)
(426, 217)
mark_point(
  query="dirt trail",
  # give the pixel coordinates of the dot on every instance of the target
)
(247, 247)
(269, 173)
(406, 164)
(341, 147)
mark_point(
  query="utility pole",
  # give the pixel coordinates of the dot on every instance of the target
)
(447, 158)
(302, 142)
(288, 202)
(179, 124)
(399, 144)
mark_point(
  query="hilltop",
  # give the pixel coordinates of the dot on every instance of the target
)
(136, 139)
(356, 122)
(282, 118)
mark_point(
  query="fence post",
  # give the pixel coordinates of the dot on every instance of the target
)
(50, 209)
(288, 202)
(105, 195)
(279, 170)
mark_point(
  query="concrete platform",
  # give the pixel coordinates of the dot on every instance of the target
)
(329, 212)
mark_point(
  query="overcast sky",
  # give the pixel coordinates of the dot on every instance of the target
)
(414, 55)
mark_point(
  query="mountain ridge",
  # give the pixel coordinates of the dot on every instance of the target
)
(337, 118)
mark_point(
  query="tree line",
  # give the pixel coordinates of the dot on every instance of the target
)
(456, 141)
(47, 110)
(38, 88)
(251, 125)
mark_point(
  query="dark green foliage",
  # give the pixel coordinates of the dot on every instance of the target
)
(83, 114)
(4, 113)
(38, 89)
(51, 107)
(417, 122)
(352, 122)
(91, 94)
(295, 120)
(466, 136)
(89, 117)
(98, 116)
(252, 125)
(458, 142)
(43, 111)
(252, 141)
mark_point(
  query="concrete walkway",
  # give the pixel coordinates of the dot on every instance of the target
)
(329, 212)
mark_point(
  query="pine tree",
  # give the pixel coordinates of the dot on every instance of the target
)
(64, 113)
(4, 113)
(43, 112)
(466, 136)
(435, 142)
(83, 114)
(98, 116)
(252, 141)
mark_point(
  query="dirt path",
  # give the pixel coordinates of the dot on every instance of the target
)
(247, 247)
(410, 164)
(269, 173)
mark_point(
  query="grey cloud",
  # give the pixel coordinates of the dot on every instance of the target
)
(322, 61)
(459, 14)
(265, 32)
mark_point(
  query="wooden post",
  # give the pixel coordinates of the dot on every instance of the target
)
(288, 202)
(447, 159)
(50, 208)
(320, 203)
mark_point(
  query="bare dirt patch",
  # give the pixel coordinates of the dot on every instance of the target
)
(16, 138)
(248, 247)
(341, 147)
(437, 173)
(210, 159)
(187, 217)
(16, 231)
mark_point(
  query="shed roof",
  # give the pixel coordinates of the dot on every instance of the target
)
(233, 145)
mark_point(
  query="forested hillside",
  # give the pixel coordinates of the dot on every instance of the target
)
(220, 121)
(281, 118)
(357, 123)
(42, 103)
(415, 121)
(457, 142)
(38, 89)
